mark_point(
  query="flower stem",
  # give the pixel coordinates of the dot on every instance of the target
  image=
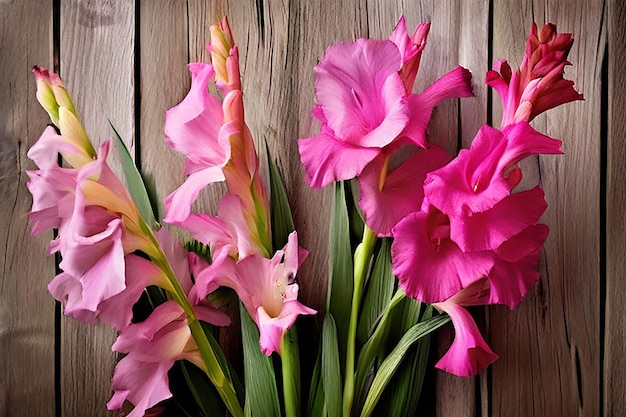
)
(362, 257)
(214, 371)
(291, 372)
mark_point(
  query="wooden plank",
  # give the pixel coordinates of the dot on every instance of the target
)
(26, 308)
(615, 318)
(550, 346)
(97, 64)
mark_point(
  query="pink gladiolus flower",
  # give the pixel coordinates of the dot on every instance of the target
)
(367, 111)
(482, 176)
(73, 142)
(429, 265)
(267, 288)
(152, 347)
(411, 50)
(362, 103)
(469, 354)
(501, 244)
(402, 190)
(193, 128)
(539, 84)
(217, 142)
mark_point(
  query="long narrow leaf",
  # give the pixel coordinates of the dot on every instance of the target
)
(260, 381)
(134, 182)
(375, 343)
(378, 292)
(340, 283)
(282, 220)
(331, 376)
(316, 391)
(391, 363)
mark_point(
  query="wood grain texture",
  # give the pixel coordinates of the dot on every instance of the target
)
(26, 308)
(615, 318)
(562, 352)
(97, 62)
(550, 345)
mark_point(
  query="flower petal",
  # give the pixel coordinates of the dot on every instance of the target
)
(469, 354)
(402, 192)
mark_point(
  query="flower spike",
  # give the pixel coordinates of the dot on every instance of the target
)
(539, 84)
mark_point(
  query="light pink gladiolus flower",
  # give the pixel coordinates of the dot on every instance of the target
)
(267, 288)
(539, 84)
(152, 347)
(216, 141)
(193, 128)
(73, 142)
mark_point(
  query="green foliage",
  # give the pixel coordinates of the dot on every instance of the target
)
(378, 293)
(259, 377)
(340, 283)
(282, 220)
(134, 182)
(331, 375)
(393, 361)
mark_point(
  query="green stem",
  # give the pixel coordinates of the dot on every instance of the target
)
(291, 372)
(214, 371)
(362, 257)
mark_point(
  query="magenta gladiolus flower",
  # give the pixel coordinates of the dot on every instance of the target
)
(482, 176)
(429, 265)
(539, 84)
(411, 49)
(367, 111)
(362, 104)
(469, 354)
(267, 288)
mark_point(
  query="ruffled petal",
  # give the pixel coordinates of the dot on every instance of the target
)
(430, 267)
(402, 192)
(469, 354)
(487, 230)
(327, 159)
(192, 127)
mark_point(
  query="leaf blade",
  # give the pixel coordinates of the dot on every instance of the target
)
(134, 182)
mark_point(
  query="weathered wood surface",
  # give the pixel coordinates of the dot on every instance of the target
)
(561, 352)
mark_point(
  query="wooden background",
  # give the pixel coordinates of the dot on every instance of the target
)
(562, 352)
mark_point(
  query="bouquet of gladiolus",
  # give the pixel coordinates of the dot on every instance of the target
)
(412, 242)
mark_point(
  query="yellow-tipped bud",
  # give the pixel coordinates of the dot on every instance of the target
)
(53, 97)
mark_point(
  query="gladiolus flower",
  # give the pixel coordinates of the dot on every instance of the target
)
(267, 288)
(73, 142)
(152, 347)
(469, 354)
(539, 84)
(411, 49)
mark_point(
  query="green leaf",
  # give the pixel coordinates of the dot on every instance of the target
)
(134, 182)
(290, 361)
(282, 220)
(392, 362)
(376, 342)
(401, 397)
(331, 374)
(260, 381)
(378, 292)
(340, 282)
(317, 403)
(202, 390)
